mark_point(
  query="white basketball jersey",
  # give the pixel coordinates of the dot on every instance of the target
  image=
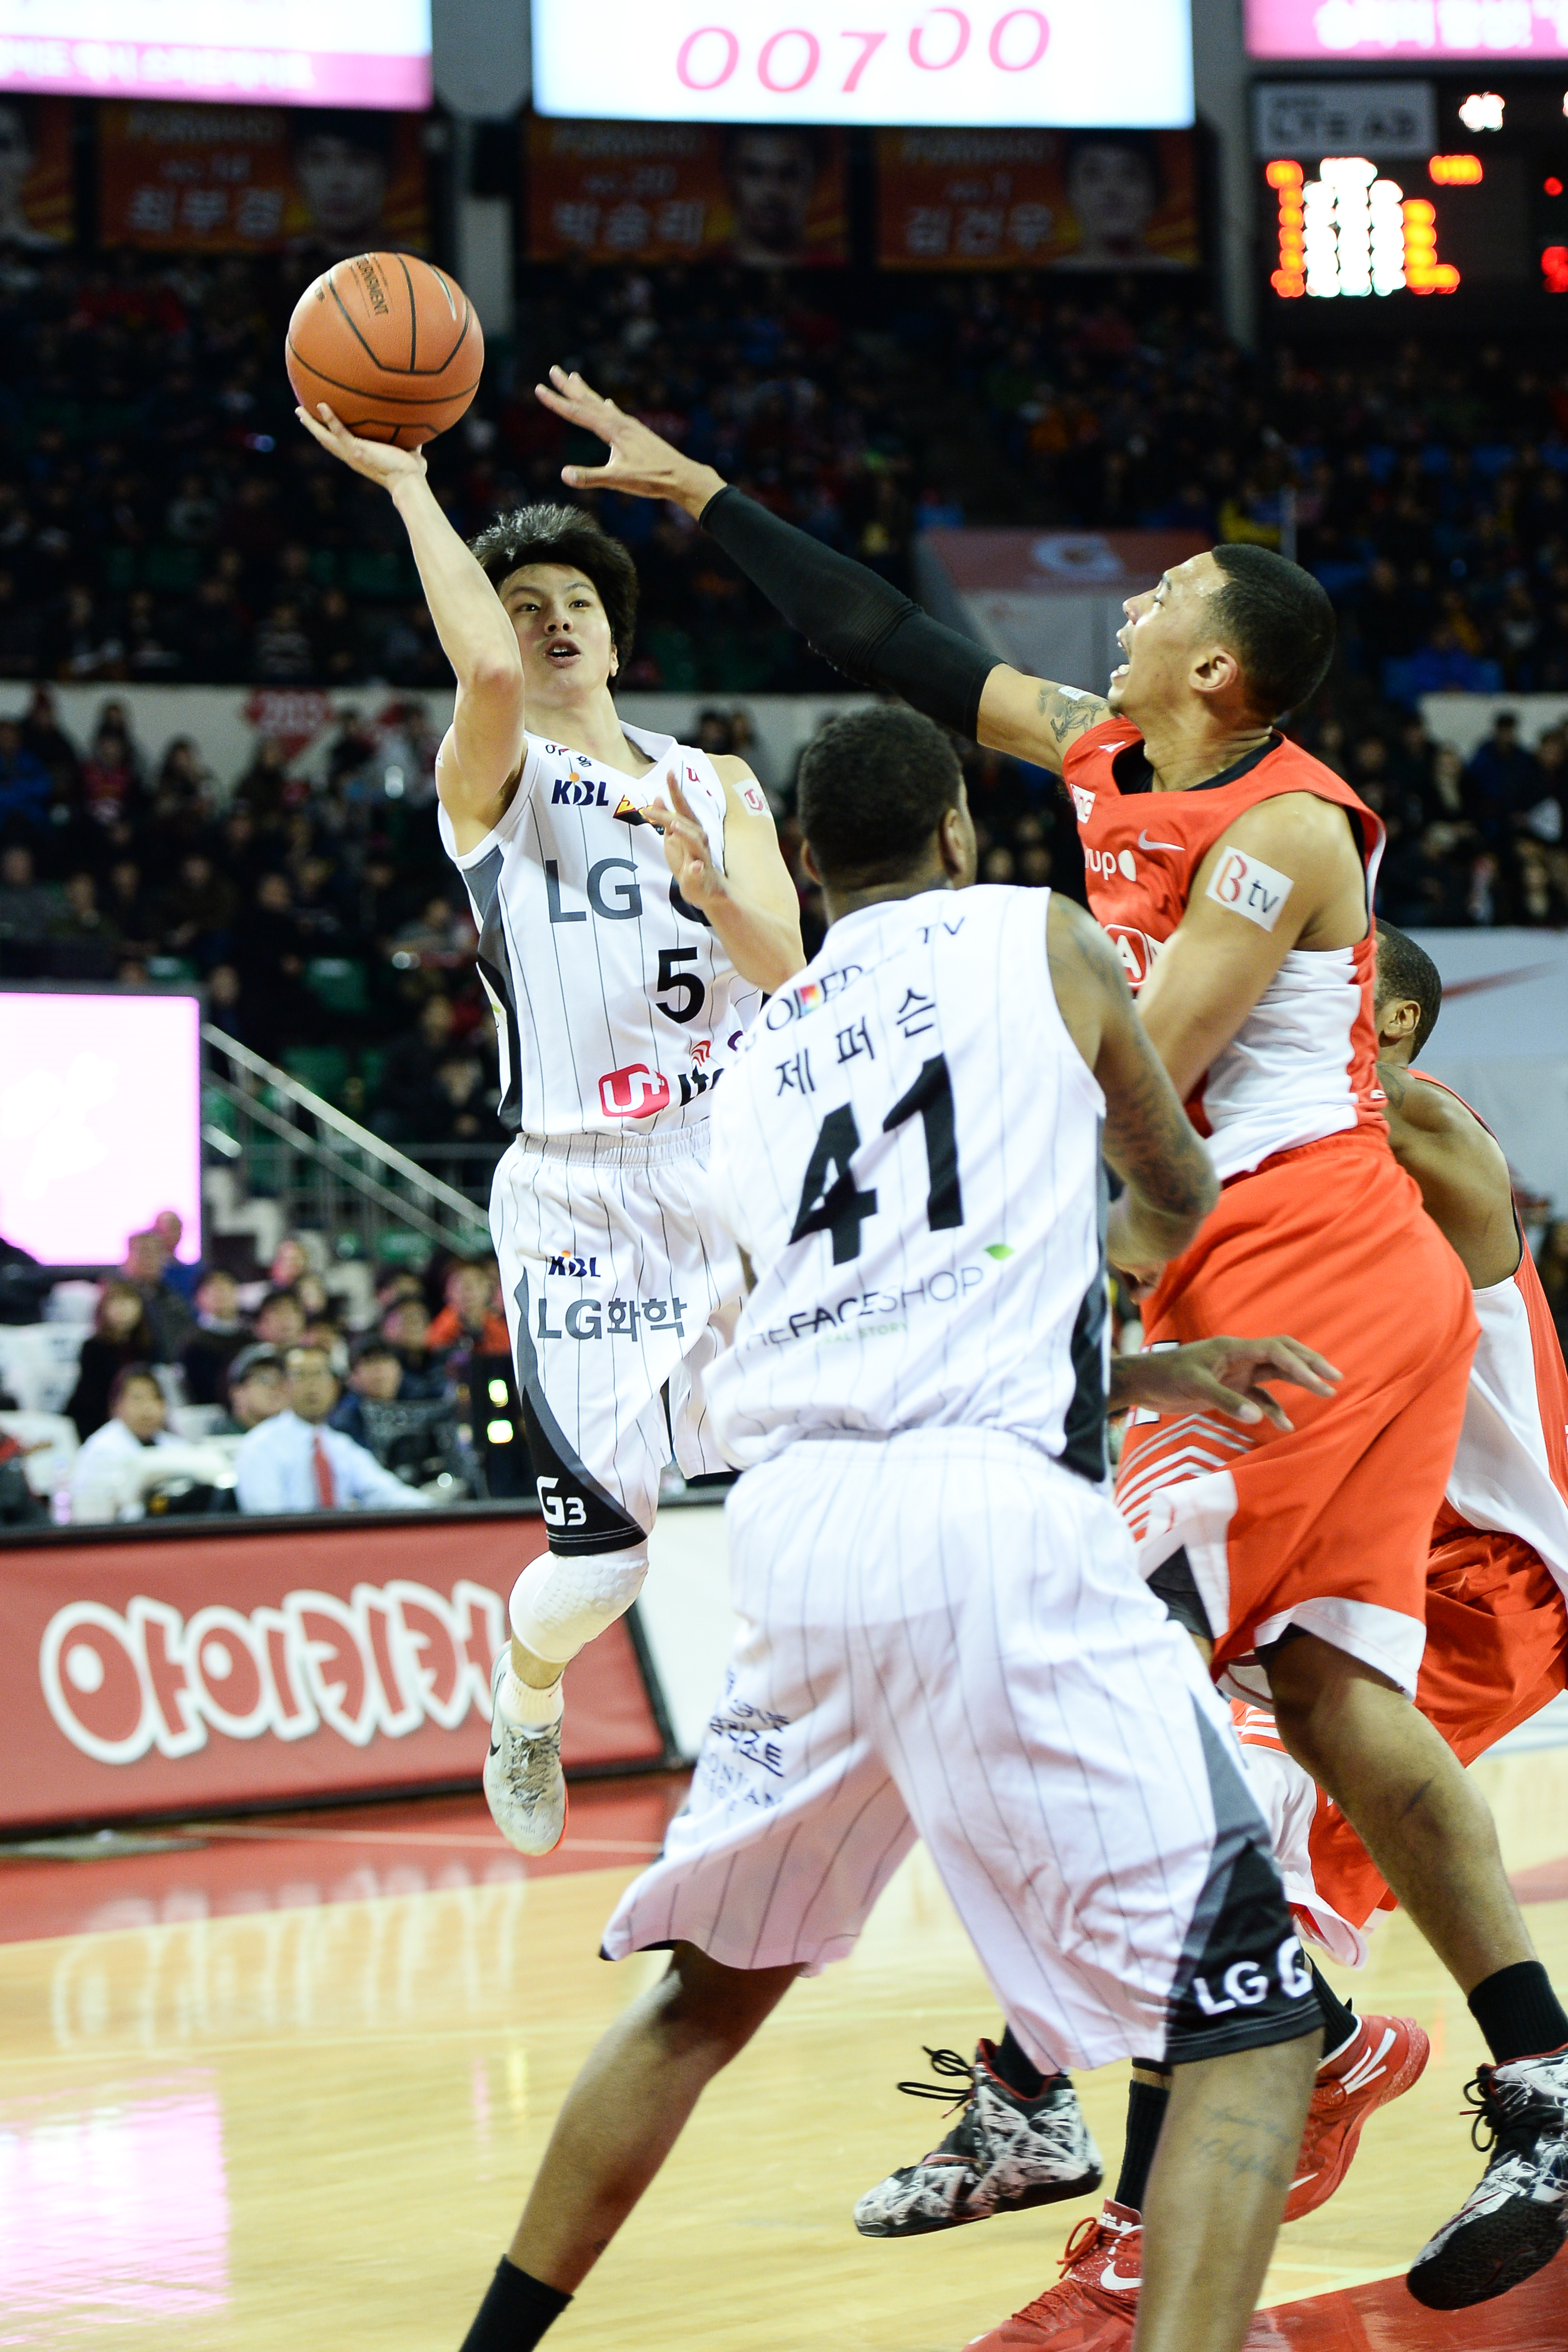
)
(908, 1152)
(616, 1008)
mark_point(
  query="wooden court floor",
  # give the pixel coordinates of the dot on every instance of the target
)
(299, 2113)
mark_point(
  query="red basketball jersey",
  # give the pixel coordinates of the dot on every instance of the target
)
(1303, 1063)
(1511, 1472)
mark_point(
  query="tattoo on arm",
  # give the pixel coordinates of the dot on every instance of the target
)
(1070, 712)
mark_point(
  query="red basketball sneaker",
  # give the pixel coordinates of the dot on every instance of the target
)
(1095, 2301)
(1386, 2057)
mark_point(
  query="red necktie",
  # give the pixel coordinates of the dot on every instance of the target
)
(326, 1485)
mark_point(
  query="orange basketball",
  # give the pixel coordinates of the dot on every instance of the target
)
(392, 345)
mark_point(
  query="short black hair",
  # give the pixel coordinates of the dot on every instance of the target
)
(873, 787)
(550, 534)
(369, 1344)
(1279, 623)
(1407, 971)
(127, 1376)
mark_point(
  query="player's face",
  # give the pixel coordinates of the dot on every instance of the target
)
(1111, 192)
(344, 187)
(563, 629)
(1164, 630)
(770, 186)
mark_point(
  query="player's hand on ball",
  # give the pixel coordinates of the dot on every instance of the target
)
(378, 461)
(640, 463)
(686, 848)
(1224, 1373)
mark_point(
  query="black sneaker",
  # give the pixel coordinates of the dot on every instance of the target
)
(1515, 2220)
(1003, 2154)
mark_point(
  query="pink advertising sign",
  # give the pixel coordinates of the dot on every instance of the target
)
(1492, 30)
(289, 52)
(99, 1121)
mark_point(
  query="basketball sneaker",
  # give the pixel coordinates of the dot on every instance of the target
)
(1515, 2220)
(1003, 2154)
(1380, 2063)
(1094, 2303)
(525, 1788)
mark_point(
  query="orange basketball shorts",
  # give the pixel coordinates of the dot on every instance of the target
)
(1325, 1527)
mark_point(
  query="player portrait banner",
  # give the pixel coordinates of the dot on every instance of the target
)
(37, 193)
(273, 1663)
(769, 197)
(247, 179)
(1036, 199)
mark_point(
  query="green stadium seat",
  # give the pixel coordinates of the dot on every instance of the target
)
(339, 982)
(322, 1068)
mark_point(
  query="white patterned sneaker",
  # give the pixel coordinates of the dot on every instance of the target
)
(1004, 2154)
(1515, 2219)
(525, 1788)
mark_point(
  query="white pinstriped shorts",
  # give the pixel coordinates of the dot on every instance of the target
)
(945, 1634)
(617, 1280)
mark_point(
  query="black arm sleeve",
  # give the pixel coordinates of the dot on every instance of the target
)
(856, 620)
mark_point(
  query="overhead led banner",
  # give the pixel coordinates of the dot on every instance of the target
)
(292, 52)
(1037, 200)
(768, 197)
(1064, 63)
(247, 179)
(1365, 31)
(37, 198)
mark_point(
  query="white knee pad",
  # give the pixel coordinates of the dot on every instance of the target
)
(558, 1605)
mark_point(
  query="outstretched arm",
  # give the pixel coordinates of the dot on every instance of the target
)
(478, 763)
(855, 619)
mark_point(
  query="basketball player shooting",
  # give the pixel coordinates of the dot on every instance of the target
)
(1235, 875)
(941, 1628)
(633, 909)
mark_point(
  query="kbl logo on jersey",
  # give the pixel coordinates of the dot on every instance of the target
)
(578, 791)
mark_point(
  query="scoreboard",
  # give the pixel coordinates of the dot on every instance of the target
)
(1456, 199)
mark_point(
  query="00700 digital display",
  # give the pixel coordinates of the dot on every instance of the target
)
(1063, 63)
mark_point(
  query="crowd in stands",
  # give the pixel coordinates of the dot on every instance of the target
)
(162, 516)
(184, 1366)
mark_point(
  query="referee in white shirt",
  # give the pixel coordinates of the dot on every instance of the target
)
(295, 1463)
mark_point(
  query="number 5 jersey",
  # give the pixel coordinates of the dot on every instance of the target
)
(908, 1150)
(615, 1005)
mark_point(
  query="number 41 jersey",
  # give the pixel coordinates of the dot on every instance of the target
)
(908, 1150)
(615, 1005)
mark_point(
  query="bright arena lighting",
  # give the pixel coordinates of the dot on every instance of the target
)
(99, 1121)
(1456, 171)
(289, 52)
(1482, 110)
(1351, 233)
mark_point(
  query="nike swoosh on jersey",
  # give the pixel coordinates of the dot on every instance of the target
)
(1145, 843)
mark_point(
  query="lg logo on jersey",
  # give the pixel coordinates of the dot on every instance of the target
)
(623, 906)
(1106, 861)
(1244, 1985)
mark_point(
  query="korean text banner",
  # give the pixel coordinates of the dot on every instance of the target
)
(1005, 199)
(1367, 31)
(770, 197)
(246, 178)
(274, 1664)
(960, 61)
(293, 52)
(37, 205)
